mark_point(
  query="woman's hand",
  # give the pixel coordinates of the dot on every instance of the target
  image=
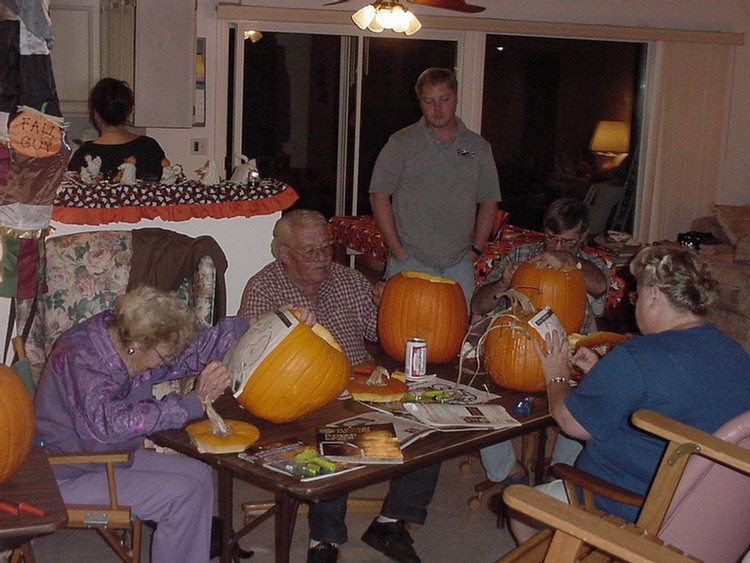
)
(584, 359)
(304, 315)
(555, 359)
(212, 381)
(377, 292)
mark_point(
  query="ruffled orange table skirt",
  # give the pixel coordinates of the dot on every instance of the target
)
(362, 235)
(99, 204)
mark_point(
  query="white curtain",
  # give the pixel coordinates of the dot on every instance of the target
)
(683, 138)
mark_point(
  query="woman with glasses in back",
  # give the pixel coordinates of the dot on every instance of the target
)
(95, 395)
(565, 230)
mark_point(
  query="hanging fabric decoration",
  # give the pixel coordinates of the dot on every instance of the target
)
(33, 149)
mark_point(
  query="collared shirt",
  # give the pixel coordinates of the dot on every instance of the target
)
(344, 306)
(435, 189)
(525, 252)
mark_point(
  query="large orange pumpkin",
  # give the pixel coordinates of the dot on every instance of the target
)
(16, 423)
(417, 305)
(563, 291)
(509, 354)
(283, 370)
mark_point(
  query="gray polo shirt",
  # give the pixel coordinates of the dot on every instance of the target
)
(435, 189)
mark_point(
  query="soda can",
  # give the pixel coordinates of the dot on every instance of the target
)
(416, 358)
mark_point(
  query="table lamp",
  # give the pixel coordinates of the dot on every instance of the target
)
(610, 142)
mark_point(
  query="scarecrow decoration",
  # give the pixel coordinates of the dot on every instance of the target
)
(33, 150)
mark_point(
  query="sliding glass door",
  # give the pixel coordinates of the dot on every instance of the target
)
(314, 109)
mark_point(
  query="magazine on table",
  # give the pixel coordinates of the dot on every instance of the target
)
(296, 459)
(360, 443)
(407, 429)
(462, 416)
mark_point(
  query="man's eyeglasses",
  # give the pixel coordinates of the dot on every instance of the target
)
(324, 250)
(169, 360)
(561, 241)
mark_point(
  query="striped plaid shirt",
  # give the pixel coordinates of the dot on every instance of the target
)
(344, 306)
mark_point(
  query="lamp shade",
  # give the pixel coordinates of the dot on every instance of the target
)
(611, 137)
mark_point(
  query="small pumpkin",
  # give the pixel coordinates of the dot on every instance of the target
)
(563, 291)
(241, 435)
(16, 423)
(418, 305)
(282, 370)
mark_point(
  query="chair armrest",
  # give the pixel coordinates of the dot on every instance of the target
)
(576, 477)
(107, 458)
(578, 524)
(708, 446)
(88, 457)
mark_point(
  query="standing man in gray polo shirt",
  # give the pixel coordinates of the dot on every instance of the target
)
(427, 183)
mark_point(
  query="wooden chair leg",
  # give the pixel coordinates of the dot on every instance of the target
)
(23, 554)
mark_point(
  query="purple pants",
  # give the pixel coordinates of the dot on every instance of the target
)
(176, 492)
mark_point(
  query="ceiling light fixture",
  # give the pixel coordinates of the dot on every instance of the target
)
(387, 14)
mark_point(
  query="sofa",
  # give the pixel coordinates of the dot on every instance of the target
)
(730, 264)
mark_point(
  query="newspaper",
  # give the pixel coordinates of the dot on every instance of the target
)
(443, 416)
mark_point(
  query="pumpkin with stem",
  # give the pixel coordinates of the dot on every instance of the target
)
(418, 305)
(563, 291)
(16, 423)
(282, 369)
(508, 346)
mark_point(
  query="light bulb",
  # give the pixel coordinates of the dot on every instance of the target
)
(414, 24)
(364, 16)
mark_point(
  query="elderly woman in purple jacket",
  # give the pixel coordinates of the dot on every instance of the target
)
(95, 395)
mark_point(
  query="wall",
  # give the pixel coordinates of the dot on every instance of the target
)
(704, 15)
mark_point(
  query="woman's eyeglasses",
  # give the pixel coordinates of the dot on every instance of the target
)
(324, 250)
(169, 360)
(561, 241)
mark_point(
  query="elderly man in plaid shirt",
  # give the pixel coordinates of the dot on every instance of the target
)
(304, 274)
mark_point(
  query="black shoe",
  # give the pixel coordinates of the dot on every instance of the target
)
(217, 531)
(391, 539)
(324, 552)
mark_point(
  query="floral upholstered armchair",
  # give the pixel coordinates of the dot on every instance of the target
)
(85, 272)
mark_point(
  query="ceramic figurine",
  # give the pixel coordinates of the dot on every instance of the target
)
(91, 171)
(127, 172)
(242, 171)
(169, 172)
(209, 174)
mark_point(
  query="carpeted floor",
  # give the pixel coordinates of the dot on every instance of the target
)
(453, 533)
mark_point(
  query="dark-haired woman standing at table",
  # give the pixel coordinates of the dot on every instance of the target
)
(111, 102)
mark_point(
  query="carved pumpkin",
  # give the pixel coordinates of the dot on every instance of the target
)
(282, 370)
(417, 305)
(241, 435)
(563, 291)
(509, 355)
(16, 423)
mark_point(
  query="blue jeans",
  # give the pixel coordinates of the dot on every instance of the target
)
(407, 501)
(498, 459)
(463, 272)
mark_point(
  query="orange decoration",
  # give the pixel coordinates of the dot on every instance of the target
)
(31, 134)
(563, 291)
(417, 305)
(16, 423)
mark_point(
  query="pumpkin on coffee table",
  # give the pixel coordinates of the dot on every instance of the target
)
(418, 305)
(16, 423)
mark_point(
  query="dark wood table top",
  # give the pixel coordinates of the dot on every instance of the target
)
(33, 484)
(433, 448)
